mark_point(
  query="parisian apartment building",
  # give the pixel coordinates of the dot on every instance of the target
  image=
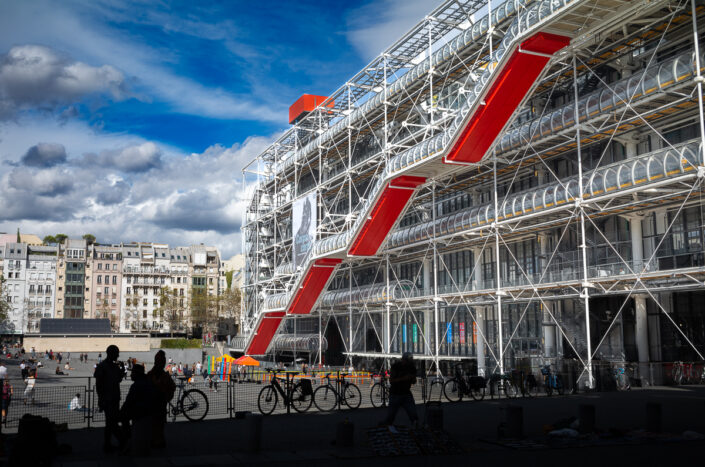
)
(123, 283)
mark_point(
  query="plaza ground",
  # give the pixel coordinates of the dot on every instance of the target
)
(309, 439)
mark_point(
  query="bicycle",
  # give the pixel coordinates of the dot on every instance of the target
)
(327, 397)
(531, 386)
(551, 381)
(621, 378)
(682, 373)
(294, 395)
(193, 403)
(459, 385)
(379, 392)
(503, 383)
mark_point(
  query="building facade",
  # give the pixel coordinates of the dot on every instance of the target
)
(124, 283)
(504, 191)
(30, 278)
(105, 265)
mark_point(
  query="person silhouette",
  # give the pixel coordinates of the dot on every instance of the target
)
(108, 375)
(138, 409)
(165, 389)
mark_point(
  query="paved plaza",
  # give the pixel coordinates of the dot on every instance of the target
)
(309, 439)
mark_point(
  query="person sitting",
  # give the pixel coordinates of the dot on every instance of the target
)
(67, 367)
(75, 403)
(58, 370)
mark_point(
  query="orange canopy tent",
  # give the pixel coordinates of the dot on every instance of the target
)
(247, 361)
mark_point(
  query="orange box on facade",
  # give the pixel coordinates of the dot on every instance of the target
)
(304, 105)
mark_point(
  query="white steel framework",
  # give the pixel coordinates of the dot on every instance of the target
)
(578, 234)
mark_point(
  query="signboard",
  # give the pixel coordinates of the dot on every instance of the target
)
(461, 327)
(304, 219)
(449, 333)
(415, 332)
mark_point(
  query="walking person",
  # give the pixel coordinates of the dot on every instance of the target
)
(165, 389)
(31, 381)
(6, 398)
(403, 375)
(108, 375)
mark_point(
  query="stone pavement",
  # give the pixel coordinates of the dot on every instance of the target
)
(309, 439)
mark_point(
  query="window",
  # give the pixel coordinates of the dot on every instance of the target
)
(105, 290)
(114, 280)
(144, 302)
(100, 266)
(99, 279)
(114, 267)
(128, 291)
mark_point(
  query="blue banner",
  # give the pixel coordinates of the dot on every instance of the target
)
(403, 332)
(449, 333)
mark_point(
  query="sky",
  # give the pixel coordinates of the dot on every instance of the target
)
(131, 120)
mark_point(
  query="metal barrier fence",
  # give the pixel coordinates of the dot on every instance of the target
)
(51, 397)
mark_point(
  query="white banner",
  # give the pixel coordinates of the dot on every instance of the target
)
(304, 220)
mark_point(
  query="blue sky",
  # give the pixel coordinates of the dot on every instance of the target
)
(132, 119)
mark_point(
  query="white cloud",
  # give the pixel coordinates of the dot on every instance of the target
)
(34, 76)
(84, 33)
(194, 198)
(377, 25)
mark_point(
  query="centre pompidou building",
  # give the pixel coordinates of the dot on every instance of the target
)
(509, 183)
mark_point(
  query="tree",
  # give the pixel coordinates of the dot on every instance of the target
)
(89, 238)
(60, 238)
(49, 239)
(230, 306)
(19, 237)
(4, 304)
(229, 278)
(204, 309)
(170, 308)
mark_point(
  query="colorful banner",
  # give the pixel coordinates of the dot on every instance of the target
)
(415, 333)
(474, 332)
(449, 333)
(403, 333)
(461, 330)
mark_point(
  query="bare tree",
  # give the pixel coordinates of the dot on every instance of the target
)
(170, 308)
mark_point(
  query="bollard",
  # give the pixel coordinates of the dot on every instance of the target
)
(586, 418)
(253, 436)
(434, 416)
(653, 417)
(345, 434)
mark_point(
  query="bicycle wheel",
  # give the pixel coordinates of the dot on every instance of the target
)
(325, 398)
(548, 386)
(267, 400)
(352, 396)
(477, 392)
(377, 395)
(510, 389)
(452, 390)
(194, 405)
(299, 401)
